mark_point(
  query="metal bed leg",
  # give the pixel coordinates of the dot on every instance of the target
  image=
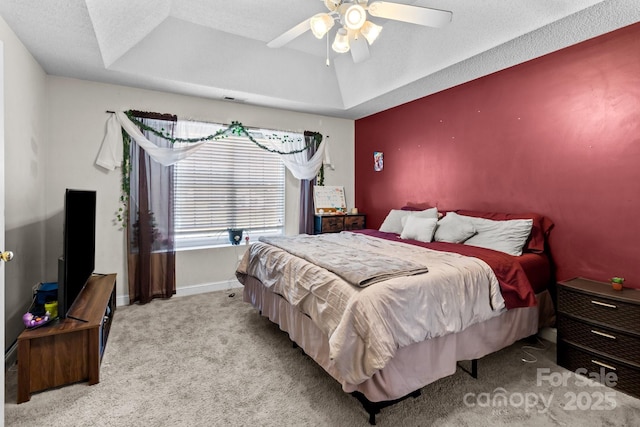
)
(474, 368)
(374, 408)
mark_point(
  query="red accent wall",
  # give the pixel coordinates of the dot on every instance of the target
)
(558, 135)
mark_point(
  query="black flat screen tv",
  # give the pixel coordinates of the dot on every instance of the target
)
(76, 264)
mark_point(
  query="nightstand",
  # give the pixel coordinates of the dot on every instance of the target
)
(599, 330)
(338, 223)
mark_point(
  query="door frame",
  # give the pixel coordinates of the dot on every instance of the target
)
(2, 178)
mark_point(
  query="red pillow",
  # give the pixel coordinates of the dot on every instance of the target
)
(539, 230)
(414, 207)
(411, 206)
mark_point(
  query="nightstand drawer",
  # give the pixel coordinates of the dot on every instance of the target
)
(611, 312)
(574, 358)
(329, 224)
(354, 222)
(332, 224)
(338, 222)
(605, 340)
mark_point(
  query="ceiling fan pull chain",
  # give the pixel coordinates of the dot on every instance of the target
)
(328, 62)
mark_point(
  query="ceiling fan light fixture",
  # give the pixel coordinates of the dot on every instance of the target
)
(370, 31)
(332, 4)
(354, 17)
(341, 42)
(320, 24)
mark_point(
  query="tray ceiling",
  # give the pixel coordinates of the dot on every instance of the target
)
(218, 49)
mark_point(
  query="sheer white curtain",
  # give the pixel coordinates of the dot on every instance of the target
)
(110, 155)
(195, 129)
(299, 164)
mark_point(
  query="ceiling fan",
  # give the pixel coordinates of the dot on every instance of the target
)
(356, 32)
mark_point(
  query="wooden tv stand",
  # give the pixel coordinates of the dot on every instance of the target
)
(69, 350)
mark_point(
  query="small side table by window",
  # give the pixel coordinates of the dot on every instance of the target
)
(338, 223)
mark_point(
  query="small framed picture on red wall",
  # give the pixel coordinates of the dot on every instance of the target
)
(378, 161)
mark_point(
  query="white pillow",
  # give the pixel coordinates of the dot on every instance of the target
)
(427, 213)
(453, 229)
(393, 223)
(507, 236)
(418, 228)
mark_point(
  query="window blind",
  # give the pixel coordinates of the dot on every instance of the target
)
(228, 183)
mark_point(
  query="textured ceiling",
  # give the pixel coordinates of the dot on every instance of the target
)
(217, 49)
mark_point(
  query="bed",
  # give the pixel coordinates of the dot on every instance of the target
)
(386, 312)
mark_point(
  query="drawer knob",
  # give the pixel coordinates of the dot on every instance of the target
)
(602, 334)
(604, 365)
(603, 304)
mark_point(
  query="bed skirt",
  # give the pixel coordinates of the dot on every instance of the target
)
(413, 366)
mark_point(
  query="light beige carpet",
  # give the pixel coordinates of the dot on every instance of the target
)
(212, 360)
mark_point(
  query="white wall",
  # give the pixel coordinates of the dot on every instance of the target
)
(25, 169)
(75, 129)
(53, 130)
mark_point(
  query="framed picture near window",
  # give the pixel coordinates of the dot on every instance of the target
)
(329, 199)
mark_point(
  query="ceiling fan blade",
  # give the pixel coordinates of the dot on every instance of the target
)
(413, 14)
(288, 36)
(358, 46)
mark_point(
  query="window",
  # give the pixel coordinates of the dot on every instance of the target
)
(228, 183)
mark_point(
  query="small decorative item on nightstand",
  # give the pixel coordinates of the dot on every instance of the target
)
(616, 283)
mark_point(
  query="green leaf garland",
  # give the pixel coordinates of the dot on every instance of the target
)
(235, 128)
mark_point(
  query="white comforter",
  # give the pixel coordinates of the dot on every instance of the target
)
(365, 326)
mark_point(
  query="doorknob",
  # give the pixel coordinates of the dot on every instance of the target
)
(6, 256)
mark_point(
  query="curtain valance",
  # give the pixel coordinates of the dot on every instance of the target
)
(111, 151)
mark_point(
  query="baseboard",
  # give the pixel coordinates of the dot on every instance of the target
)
(11, 356)
(200, 288)
(549, 334)
(207, 287)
